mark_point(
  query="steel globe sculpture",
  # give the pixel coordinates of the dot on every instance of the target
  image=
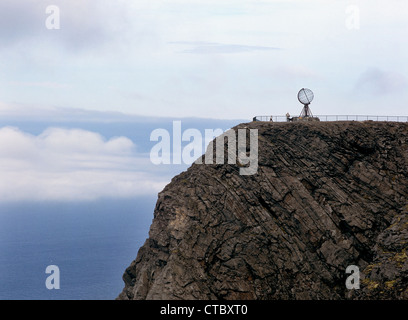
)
(305, 96)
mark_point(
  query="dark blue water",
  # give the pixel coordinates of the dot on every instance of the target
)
(91, 243)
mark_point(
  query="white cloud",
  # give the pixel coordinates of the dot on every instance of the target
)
(71, 165)
(82, 22)
(375, 81)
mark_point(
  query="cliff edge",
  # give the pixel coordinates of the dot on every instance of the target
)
(326, 195)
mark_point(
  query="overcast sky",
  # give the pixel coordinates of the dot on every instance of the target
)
(178, 58)
(206, 58)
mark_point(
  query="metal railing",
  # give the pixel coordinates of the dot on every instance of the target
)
(338, 118)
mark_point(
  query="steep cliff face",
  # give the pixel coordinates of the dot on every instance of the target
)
(325, 196)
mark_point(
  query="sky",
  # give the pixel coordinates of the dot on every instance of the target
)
(112, 60)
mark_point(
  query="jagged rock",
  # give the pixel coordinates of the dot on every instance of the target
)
(326, 195)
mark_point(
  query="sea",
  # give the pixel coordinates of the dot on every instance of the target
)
(91, 243)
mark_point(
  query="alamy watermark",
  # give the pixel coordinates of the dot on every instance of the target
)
(52, 22)
(53, 280)
(352, 17)
(353, 281)
(169, 149)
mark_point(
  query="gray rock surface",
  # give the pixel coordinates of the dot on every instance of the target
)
(326, 195)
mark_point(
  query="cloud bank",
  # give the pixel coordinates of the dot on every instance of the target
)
(71, 165)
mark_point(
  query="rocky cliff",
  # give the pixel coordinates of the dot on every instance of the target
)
(326, 195)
